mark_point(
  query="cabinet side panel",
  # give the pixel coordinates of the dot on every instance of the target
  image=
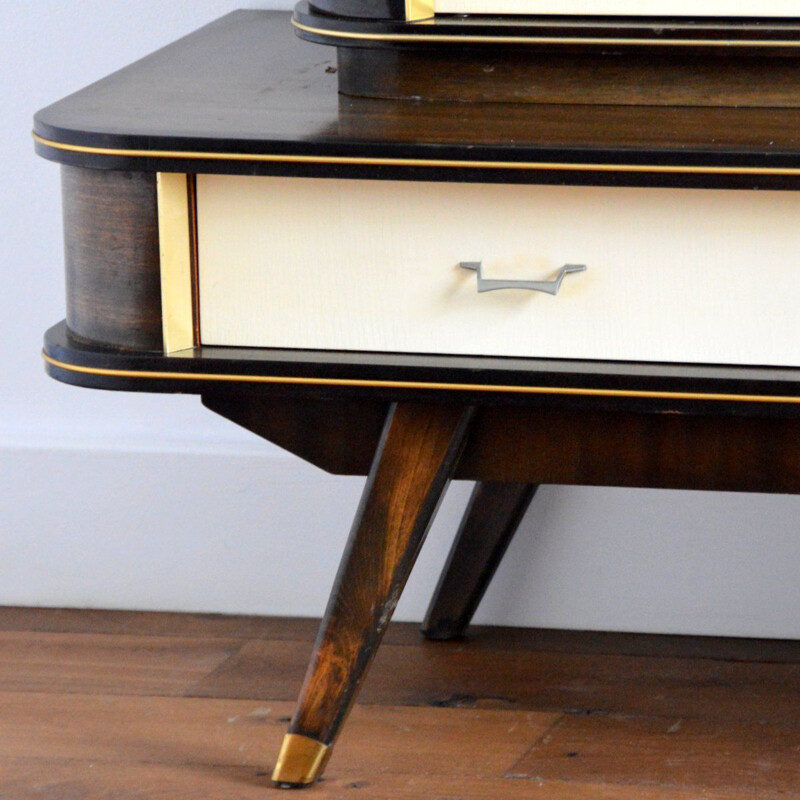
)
(112, 257)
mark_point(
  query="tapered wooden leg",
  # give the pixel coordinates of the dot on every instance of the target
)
(493, 514)
(418, 450)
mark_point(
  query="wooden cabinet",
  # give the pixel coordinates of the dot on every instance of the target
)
(306, 262)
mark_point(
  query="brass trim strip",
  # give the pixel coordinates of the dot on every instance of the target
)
(453, 387)
(175, 249)
(561, 41)
(545, 166)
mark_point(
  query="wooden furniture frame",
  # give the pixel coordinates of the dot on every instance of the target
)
(409, 422)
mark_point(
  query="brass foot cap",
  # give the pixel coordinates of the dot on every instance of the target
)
(300, 762)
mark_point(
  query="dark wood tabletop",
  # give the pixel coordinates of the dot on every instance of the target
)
(245, 95)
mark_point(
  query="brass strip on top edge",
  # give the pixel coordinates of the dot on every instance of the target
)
(454, 387)
(564, 40)
(545, 166)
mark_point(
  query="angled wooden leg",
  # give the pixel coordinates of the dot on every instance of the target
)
(493, 514)
(418, 450)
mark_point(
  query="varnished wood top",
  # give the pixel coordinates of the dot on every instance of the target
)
(244, 95)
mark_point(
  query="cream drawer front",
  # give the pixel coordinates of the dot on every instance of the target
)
(609, 8)
(677, 275)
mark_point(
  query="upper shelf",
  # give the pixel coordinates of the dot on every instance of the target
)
(688, 9)
(769, 26)
(243, 95)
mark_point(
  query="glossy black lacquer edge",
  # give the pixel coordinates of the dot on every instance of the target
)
(336, 157)
(695, 169)
(244, 364)
(767, 35)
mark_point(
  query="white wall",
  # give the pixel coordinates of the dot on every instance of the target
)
(150, 502)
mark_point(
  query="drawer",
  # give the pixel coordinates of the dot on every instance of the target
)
(672, 275)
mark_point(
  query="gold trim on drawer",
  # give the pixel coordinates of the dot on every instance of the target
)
(567, 391)
(543, 166)
(175, 245)
(419, 9)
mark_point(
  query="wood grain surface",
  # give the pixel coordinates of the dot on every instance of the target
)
(482, 637)
(459, 674)
(484, 75)
(159, 104)
(77, 722)
(109, 663)
(758, 757)
(112, 258)
(419, 448)
(552, 445)
(490, 521)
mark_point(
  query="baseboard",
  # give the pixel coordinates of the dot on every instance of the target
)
(237, 530)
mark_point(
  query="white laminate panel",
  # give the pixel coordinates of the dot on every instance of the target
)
(639, 8)
(677, 275)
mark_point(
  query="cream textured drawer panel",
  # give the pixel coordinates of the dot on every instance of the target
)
(676, 275)
(646, 8)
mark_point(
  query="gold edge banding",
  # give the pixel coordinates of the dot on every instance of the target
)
(417, 10)
(175, 246)
(544, 166)
(301, 760)
(598, 41)
(422, 385)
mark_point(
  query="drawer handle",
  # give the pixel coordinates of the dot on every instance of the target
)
(551, 287)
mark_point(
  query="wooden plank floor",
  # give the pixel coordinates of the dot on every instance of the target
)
(113, 705)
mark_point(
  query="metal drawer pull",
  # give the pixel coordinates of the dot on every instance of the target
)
(551, 287)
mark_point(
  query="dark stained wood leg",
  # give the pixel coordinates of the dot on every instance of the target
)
(490, 521)
(417, 453)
